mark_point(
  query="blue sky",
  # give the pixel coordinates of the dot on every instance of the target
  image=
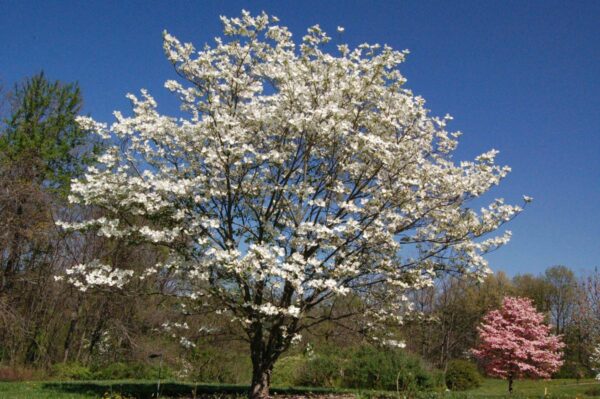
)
(519, 76)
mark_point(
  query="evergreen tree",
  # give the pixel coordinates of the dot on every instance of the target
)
(40, 141)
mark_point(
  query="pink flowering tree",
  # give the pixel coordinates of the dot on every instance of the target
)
(515, 343)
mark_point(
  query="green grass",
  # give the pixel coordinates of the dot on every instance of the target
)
(145, 389)
(132, 388)
(568, 388)
(526, 389)
(36, 390)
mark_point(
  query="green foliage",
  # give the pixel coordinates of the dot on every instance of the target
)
(41, 134)
(462, 375)
(113, 371)
(364, 367)
(288, 369)
(123, 371)
(71, 371)
(213, 364)
(108, 395)
(321, 370)
(370, 368)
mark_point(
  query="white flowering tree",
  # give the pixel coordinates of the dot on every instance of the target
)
(299, 176)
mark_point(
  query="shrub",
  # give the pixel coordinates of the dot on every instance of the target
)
(210, 364)
(321, 370)
(370, 368)
(122, 371)
(462, 375)
(287, 370)
(108, 395)
(113, 371)
(438, 379)
(71, 371)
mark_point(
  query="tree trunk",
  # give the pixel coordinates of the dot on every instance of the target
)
(12, 263)
(69, 337)
(510, 384)
(263, 359)
(261, 381)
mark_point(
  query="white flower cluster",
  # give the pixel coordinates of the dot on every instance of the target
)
(392, 343)
(97, 274)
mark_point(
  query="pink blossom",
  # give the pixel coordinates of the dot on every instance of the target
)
(515, 342)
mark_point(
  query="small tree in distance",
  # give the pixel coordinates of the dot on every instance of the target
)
(515, 343)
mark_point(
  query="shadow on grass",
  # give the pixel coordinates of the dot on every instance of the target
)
(147, 390)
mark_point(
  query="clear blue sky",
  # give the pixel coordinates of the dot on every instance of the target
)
(519, 76)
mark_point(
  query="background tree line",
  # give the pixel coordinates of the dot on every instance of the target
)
(444, 326)
(46, 323)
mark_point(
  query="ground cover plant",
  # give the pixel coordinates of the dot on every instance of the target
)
(462, 375)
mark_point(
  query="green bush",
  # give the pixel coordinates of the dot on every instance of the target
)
(123, 371)
(287, 370)
(71, 371)
(209, 364)
(108, 395)
(364, 367)
(370, 368)
(462, 375)
(114, 371)
(438, 379)
(321, 370)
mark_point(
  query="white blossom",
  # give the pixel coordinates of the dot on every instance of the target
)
(96, 273)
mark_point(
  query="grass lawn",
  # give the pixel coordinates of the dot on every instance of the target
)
(35, 390)
(145, 389)
(535, 389)
(132, 388)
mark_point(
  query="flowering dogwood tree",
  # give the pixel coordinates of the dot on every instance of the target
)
(515, 343)
(299, 176)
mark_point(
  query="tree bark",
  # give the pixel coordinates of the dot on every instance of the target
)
(261, 381)
(12, 263)
(510, 385)
(263, 359)
(70, 332)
